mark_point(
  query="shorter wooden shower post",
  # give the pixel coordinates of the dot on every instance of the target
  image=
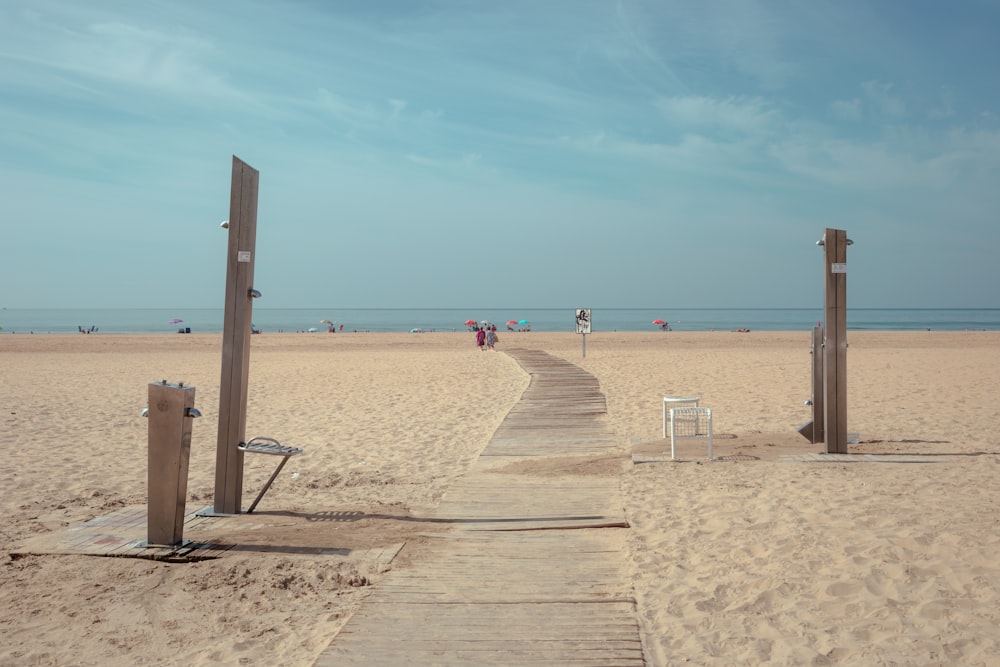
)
(170, 412)
(819, 404)
(813, 429)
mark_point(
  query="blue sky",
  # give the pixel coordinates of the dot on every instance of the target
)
(531, 154)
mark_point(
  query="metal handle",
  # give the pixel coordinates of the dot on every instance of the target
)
(188, 412)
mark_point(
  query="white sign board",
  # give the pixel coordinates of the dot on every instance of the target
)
(583, 320)
(838, 268)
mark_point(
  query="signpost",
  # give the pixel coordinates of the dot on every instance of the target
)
(583, 326)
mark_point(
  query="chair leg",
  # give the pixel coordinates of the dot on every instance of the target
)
(284, 460)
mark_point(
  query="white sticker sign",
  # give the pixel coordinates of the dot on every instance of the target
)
(243, 256)
(839, 267)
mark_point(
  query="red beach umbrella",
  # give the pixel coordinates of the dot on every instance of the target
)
(659, 322)
(469, 323)
(511, 323)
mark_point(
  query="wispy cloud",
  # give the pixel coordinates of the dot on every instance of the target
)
(877, 166)
(847, 109)
(739, 115)
(882, 98)
(547, 112)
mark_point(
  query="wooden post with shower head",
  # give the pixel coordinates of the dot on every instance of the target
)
(236, 338)
(835, 244)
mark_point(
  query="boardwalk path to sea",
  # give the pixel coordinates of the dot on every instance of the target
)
(530, 569)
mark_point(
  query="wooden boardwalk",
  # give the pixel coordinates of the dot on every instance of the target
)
(816, 457)
(530, 572)
(122, 534)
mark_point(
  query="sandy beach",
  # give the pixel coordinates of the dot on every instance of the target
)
(751, 559)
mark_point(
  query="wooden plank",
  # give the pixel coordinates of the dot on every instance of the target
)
(562, 412)
(514, 586)
(489, 634)
(120, 534)
(856, 458)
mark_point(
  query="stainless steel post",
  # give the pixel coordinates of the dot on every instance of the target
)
(170, 412)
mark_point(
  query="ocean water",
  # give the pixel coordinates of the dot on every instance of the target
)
(209, 320)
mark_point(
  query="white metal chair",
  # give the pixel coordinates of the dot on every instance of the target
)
(671, 402)
(692, 423)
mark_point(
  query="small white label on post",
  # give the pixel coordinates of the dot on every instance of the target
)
(243, 256)
(839, 268)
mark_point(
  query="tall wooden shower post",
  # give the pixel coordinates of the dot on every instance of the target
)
(236, 338)
(835, 244)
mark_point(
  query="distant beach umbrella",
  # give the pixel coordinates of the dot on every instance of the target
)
(175, 321)
(470, 323)
(416, 330)
(659, 322)
(523, 322)
(312, 330)
(327, 322)
(511, 323)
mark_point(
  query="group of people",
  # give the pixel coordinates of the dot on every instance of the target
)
(486, 337)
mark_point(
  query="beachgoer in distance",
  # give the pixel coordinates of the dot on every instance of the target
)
(480, 338)
(491, 338)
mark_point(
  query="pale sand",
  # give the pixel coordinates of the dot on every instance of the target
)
(749, 560)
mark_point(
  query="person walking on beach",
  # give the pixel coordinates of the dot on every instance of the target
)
(480, 338)
(491, 338)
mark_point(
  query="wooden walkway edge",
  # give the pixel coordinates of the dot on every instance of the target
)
(855, 458)
(532, 571)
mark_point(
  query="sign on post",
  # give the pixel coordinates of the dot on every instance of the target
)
(583, 325)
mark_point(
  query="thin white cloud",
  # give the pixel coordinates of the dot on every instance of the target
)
(462, 162)
(847, 109)
(881, 165)
(734, 114)
(138, 57)
(349, 112)
(693, 157)
(638, 103)
(945, 106)
(881, 96)
(397, 107)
